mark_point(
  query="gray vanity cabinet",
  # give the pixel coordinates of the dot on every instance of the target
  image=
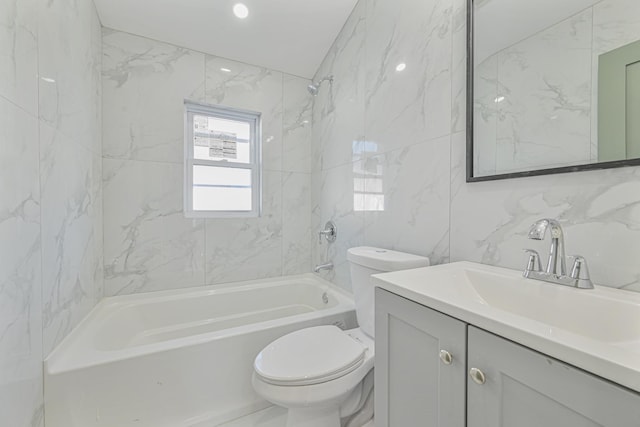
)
(489, 382)
(523, 388)
(416, 384)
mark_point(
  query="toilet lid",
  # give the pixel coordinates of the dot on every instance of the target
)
(309, 356)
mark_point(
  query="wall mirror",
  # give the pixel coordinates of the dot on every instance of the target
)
(553, 86)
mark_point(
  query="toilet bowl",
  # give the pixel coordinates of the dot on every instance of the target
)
(323, 374)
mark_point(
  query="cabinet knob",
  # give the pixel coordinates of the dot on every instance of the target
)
(446, 357)
(477, 376)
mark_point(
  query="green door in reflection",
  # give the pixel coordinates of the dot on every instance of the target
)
(619, 104)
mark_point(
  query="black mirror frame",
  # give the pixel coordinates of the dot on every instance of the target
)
(470, 111)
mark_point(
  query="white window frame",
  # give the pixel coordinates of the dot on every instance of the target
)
(255, 165)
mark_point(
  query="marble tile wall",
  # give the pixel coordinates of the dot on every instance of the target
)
(149, 244)
(50, 189)
(389, 156)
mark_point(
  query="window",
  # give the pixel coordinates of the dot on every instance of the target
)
(222, 162)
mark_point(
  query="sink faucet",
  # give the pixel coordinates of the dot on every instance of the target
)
(556, 271)
(327, 266)
(537, 232)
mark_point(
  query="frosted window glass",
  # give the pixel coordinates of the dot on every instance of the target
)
(221, 189)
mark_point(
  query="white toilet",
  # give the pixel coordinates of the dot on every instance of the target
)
(324, 374)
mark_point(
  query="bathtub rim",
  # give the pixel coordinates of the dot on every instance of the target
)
(58, 361)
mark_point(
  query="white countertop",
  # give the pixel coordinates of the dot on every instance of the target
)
(597, 330)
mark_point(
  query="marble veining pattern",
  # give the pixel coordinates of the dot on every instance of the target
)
(415, 184)
(69, 61)
(410, 105)
(482, 222)
(68, 241)
(20, 269)
(149, 244)
(252, 88)
(145, 83)
(19, 53)
(338, 109)
(243, 249)
(50, 181)
(296, 223)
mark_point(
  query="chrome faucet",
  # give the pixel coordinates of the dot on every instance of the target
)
(537, 232)
(579, 276)
(327, 266)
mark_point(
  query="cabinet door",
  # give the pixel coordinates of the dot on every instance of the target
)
(414, 386)
(524, 388)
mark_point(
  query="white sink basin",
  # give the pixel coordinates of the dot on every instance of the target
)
(587, 312)
(595, 329)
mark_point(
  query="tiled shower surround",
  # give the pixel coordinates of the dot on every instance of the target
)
(149, 244)
(50, 189)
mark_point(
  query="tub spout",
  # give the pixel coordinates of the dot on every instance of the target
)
(327, 266)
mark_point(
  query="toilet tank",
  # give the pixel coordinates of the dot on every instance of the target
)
(365, 261)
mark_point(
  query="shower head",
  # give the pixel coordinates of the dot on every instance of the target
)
(313, 88)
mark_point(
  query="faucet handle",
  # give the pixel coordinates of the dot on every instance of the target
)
(580, 273)
(330, 232)
(533, 264)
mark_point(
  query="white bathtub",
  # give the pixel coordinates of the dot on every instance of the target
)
(180, 358)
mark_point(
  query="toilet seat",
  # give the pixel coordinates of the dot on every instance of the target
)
(309, 356)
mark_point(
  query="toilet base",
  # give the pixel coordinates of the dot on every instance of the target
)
(313, 417)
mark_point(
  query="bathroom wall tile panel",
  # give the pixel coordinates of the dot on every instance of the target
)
(69, 263)
(599, 210)
(19, 53)
(145, 83)
(413, 105)
(69, 67)
(318, 251)
(20, 269)
(296, 132)
(296, 223)
(97, 222)
(338, 124)
(148, 243)
(459, 66)
(546, 107)
(407, 200)
(244, 249)
(341, 201)
(250, 88)
(96, 50)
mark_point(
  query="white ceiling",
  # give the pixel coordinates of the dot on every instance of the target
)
(286, 35)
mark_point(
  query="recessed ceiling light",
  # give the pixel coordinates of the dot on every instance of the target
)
(226, 70)
(48, 79)
(499, 99)
(240, 10)
(401, 67)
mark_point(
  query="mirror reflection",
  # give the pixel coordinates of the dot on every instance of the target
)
(555, 84)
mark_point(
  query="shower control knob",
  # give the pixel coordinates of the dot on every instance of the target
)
(330, 232)
(477, 376)
(446, 357)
